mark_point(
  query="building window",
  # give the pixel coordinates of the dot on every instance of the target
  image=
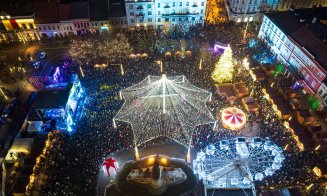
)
(159, 19)
(141, 20)
(187, 3)
(149, 6)
(130, 7)
(173, 19)
(166, 19)
(131, 14)
(158, 4)
(201, 18)
(202, 3)
(149, 19)
(58, 27)
(180, 4)
(193, 18)
(31, 26)
(149, 13)
(307, 77)
(313, 84)
(159, 13)
(132, 21)
(201, 11)
(173, 4)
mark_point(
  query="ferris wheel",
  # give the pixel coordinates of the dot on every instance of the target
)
(238, 163)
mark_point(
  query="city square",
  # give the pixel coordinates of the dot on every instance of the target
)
(212, 106)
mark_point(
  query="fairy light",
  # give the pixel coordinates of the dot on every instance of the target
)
(224, 68)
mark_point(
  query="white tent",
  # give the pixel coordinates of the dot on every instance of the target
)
(164, 106)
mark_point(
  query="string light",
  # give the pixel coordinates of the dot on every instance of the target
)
(224, 68)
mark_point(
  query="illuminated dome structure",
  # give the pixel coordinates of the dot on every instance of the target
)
(238, 163)
(233, 118)
(164, 106)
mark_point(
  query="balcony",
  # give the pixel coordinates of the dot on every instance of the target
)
(140, 15)
(180, 14)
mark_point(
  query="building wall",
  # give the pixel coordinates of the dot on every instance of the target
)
(248, 10)
(187, 12)
(158, 13)
(140, 14)
(18, 29)
(61, 29)
(293, 55)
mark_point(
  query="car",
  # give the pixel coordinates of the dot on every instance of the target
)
(42, 55)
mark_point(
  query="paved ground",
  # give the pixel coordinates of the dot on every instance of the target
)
(171, 150)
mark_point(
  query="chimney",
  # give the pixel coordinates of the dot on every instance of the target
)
(314, 20)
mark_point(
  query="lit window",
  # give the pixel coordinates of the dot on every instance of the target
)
(251, 18)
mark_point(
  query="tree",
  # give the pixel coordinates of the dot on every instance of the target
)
(119, 48)
(112, 48)
(224, 67)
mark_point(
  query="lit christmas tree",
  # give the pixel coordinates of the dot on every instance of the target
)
(224, 68)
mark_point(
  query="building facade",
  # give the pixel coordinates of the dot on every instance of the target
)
(17, 28)
(292, 36)
(147, 14)
(252, 10)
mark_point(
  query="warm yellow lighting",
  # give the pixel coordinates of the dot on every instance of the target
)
(122, 69)
(309, 187)
(82, 73)
(317, 148)
(286, 147)
(223, 71)
(317, 171)
(200, 66)
(3, 94)
(163, 161)
(151, 160)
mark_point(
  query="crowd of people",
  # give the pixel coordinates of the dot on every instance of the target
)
(81, 154)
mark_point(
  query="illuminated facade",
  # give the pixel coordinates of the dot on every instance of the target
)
(60, 29)
(252, 10)
(291, 37)
(17, 28)
(148, 14)
(57, 106)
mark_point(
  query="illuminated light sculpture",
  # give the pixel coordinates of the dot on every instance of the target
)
(233, 118)
(110, 163)
(238, 163)
(224, 67)
(164, 106)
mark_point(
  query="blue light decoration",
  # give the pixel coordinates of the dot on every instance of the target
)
(219, 46)
(297, 85)
(104, 28)
(54, 113)
(56, 75)
(253, 43)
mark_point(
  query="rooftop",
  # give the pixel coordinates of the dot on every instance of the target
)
(305, 28)
(117, 8)
(79, 10)
(98, 9)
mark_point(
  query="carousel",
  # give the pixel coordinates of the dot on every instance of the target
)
(233, 118)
